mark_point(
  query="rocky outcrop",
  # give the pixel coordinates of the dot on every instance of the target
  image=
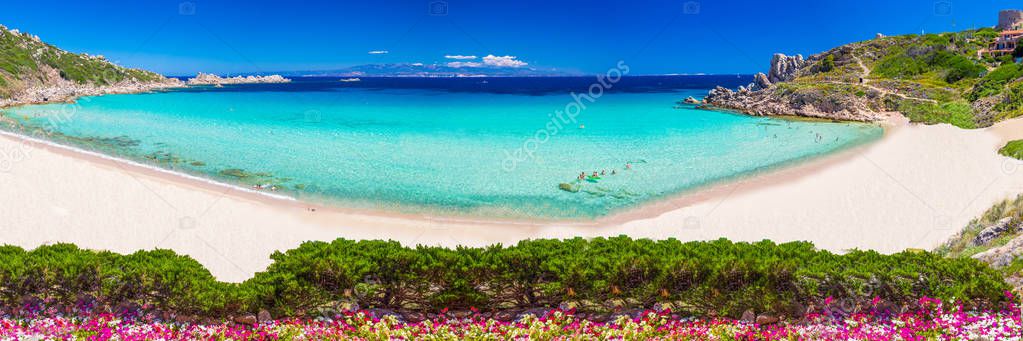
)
(211, 79)
(784, 68)
(1003, 255)
(761, 81)
(994, 231)
(792, 87)
(810, 102)
(249, 320)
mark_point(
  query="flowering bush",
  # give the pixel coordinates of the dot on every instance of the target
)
(931, 322)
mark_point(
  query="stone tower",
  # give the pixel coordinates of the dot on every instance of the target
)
(1010, 19)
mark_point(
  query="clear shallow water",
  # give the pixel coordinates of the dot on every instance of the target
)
(446, 147)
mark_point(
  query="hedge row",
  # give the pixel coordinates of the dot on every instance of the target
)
(701, 278)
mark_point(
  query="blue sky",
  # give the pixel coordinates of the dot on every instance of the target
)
(653, 37)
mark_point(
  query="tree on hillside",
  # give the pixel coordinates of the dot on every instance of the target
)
(1018, 52)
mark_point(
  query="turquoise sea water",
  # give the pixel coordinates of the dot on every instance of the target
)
(413, 150)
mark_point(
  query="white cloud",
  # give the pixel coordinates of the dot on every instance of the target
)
(503, 61)
(464, 64)
(488, 61)
(379, 52)
(459, 57)
(417, 64)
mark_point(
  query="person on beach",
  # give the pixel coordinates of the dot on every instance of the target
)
(613, 172)
(595, 174)
(582, 176)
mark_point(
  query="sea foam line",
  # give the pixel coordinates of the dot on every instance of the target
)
(142, 165)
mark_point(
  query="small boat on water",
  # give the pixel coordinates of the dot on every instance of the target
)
(346, 80)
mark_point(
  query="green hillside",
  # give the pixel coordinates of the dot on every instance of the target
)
(933, 78)
(26, 61)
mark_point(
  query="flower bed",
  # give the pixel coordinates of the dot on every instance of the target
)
(931, 322)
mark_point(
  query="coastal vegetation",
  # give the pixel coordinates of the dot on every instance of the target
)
(598, 276)
(1013, 149)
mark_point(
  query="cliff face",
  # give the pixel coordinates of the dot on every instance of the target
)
(934, 78)
(32, 71)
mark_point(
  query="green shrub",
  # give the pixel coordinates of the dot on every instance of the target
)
(954, 67)
(1011, 104)
(986, 33)
(994, 82)
(828, 63)
(601, 274)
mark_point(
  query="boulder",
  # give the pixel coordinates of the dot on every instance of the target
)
(505, 316)
(184, 319)
(994, 231)
(783, 68)
(264, 316)
(380, 313)
(248, 319)
(459, 314)
(760, 82)
(567, 187)
(748, 316)
(691, 100)
(765, 319)
(1003, 255)
(538, 312)
(415, 317)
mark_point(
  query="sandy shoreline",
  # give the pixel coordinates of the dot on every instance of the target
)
(914, 188)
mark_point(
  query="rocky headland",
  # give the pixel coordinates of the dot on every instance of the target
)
(211, 79)
(933, 78)
(32, 71)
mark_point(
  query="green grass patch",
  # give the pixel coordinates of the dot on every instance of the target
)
(958, 113)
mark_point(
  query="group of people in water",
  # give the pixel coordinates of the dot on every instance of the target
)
(583, 176)
(272, 188)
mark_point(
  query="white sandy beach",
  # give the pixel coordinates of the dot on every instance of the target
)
(912, 189)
